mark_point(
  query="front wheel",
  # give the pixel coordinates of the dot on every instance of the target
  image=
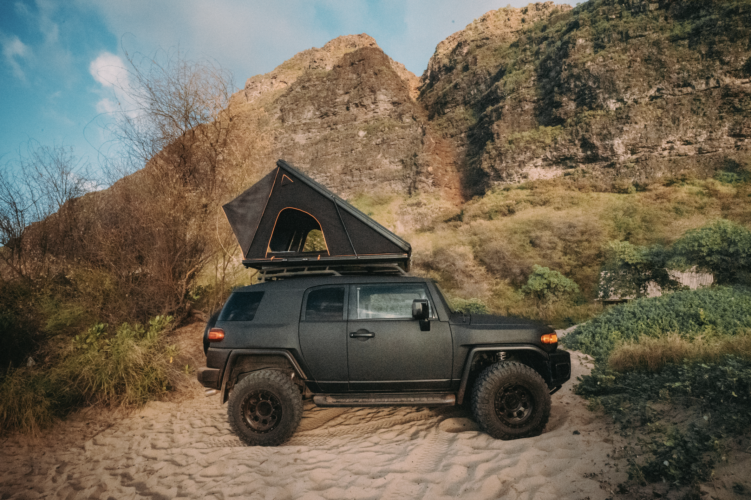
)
(265, 408)
(511, 400)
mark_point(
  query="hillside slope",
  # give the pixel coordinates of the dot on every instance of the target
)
(610, 89)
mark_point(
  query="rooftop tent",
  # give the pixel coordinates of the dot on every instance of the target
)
(288, 219)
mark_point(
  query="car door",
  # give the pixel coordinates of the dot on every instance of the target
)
(323, 336)
(387, 349)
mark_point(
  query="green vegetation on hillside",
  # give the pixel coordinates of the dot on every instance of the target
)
(487, 249)
(675, 373)
(123, 367)
(690, 314)
(618, 90)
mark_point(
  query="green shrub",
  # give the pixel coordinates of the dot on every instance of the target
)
(470, 306)
(629, 270)
(19, 324)
(126, 368)
(690, 409)
(28, 401)
(722, 248)
(547, 285)
(689, 313)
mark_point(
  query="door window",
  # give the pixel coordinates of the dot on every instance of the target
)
(325, 304)
(392, 301)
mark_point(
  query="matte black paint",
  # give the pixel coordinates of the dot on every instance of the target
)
(397, 357)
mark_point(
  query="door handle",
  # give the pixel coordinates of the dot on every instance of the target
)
(362, 335)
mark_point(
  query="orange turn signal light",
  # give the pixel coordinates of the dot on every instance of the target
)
(216, 334)
(548, 338)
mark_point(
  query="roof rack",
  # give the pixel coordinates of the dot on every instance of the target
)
(277, 273)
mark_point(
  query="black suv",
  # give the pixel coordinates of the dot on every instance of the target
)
(363, 340)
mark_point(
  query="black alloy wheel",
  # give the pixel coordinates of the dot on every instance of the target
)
(514, 405)
(265, 408)
(262, 411)
(510, 400)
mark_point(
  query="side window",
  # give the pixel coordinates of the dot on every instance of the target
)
(325, 304)
(241, 306)
(388, 301)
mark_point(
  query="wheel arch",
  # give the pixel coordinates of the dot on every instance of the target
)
(242, 361)
(532, 356)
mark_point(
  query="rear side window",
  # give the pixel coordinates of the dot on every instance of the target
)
(325, 304)
(241, 306)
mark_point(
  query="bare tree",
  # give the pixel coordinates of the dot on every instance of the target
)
(177, 140)
(178, 119)
(36, 196)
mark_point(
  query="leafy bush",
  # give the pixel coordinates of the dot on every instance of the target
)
(126, 368)
(691, 409)
(471, 306)
(689, 313)
(547, 285)
(19, 323)
(630, 269)
(722, 248)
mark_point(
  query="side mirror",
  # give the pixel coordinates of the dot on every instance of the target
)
(421, 312)
(420, 309)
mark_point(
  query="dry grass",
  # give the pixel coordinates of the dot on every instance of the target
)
(126, 369)
(652, 354)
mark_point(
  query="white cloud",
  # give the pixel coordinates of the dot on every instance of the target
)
(109, 70)
(46, 25)
(14, 50)
(106, 106)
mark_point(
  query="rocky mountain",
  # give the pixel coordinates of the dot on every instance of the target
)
(623, 91)
(347, 114)
(616, 89)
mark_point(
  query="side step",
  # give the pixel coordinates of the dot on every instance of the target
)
(385, 399)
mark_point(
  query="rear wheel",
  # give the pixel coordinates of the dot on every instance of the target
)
(511, 400)
(265, 408)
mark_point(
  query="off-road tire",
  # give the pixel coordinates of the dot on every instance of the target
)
(510, 400)
(265, 408)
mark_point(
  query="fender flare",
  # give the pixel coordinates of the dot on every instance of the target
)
(237, 353)
(475, 350)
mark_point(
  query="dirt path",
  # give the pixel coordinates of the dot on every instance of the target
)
(186, 449)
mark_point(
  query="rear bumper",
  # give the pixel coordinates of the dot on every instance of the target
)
(559, 364)
(209, 377)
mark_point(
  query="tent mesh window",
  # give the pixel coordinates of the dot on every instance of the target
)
(297, 232)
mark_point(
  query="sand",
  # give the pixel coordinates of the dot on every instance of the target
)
(185, 449)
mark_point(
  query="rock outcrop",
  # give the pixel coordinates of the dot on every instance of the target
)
(611, 89)
(347, 115)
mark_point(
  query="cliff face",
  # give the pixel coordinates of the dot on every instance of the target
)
(346, 115)
(615, 89)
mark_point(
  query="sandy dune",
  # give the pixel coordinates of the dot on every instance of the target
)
(186, 449)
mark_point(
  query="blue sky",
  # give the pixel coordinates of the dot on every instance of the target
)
(59, 59)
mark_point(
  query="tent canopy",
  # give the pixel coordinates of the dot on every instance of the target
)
(288, 219)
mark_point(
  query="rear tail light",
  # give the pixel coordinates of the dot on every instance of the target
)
(216, 335)
(548, 338)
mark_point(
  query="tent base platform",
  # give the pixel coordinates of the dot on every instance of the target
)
(325, 261)
(267, 273)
